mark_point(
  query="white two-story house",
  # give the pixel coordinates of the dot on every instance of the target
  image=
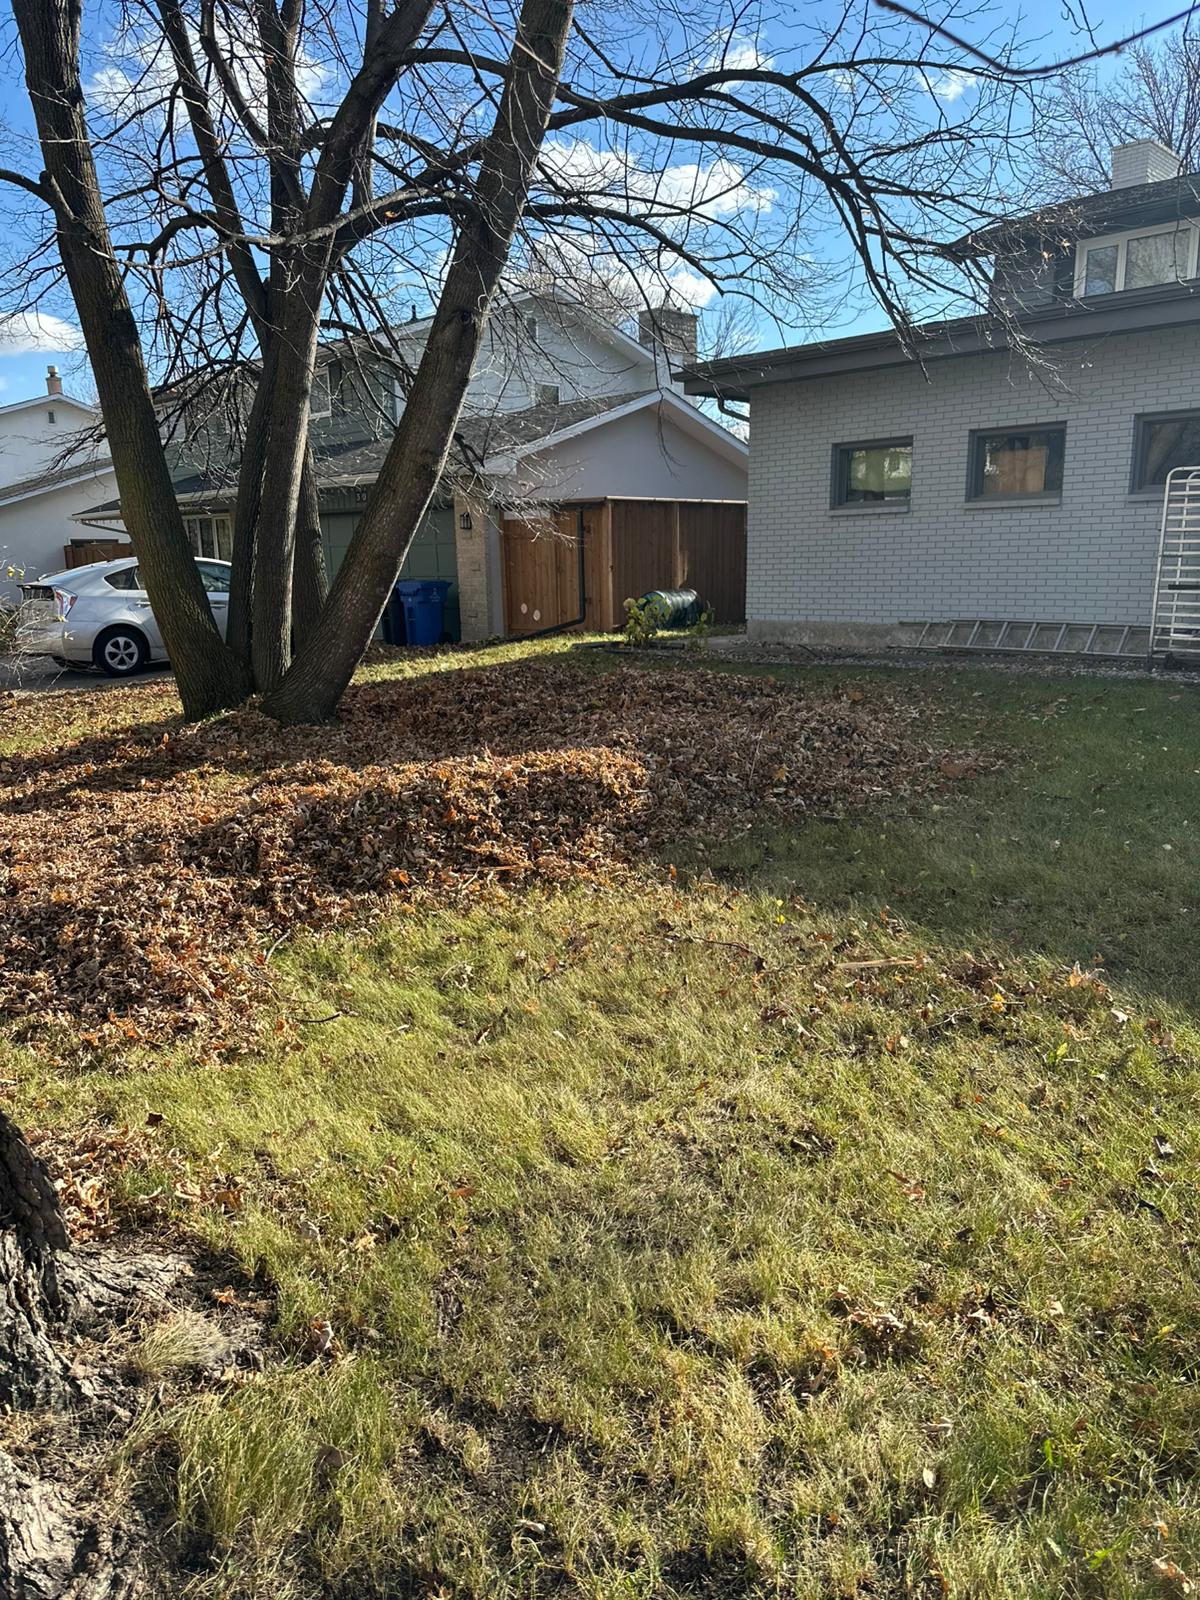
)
(53, 466)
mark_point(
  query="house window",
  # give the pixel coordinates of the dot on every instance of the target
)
(1017, 463)
(1154, 258)
(1162, 443)
(531, 327)
(50, 417)
(545, 394)
(210, 536)
(1100, 270)
(319, 404)
(873, 474)
(1139, 260)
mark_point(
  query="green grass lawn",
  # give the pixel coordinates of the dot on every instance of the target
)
(812, 1216)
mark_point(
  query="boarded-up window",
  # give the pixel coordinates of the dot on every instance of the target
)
(1015, 464)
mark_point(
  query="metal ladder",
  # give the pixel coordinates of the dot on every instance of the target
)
(1111, 640)
(1175, 617)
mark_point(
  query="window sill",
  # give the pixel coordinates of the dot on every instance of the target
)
(1147, 496)
(876, 508)
(1012, 502)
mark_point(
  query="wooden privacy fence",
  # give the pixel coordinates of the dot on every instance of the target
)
(629, 547)
(82, 552)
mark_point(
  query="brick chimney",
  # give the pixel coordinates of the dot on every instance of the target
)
(673, 333)
(1142, 161)
(53, 381)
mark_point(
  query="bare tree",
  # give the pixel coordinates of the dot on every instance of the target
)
(1155, 94)
(251, 176)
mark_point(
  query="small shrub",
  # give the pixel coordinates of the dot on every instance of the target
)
(641, 621)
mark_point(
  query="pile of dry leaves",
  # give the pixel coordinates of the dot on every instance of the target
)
(144, 870)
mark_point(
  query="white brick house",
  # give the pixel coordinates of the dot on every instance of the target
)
(986, 481)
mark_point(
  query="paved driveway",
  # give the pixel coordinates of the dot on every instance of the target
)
(39, 675)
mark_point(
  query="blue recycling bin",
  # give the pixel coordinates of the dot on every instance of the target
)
(424, 602)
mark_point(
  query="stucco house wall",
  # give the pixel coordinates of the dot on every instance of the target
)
(816, 572)
(641, 456)
(34, 530)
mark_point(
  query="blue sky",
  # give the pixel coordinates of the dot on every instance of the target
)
(25, 350)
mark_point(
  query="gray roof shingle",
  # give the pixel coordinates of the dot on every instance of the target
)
(356, 461)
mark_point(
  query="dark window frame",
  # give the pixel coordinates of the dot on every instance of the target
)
(840, 471)
(1137, 460)
(975, 494)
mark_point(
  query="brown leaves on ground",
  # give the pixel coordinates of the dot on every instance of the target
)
(145, 868)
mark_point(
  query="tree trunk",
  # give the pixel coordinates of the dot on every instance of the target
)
(56, 1539)
(209, 675)
(324, 665)
(245, 516)
(310, 579)
(295, 345)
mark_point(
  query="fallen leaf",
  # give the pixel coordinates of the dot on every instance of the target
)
(1171, 1576)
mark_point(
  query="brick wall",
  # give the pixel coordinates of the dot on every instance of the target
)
(472, 556)
(1091, 557)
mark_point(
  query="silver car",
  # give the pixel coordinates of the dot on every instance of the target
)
(100, 615)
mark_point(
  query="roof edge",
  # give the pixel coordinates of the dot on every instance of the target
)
(27, 493)
(50, 399)
(1139, 310)
(689, 416)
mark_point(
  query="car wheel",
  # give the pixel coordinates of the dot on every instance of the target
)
(120, 652)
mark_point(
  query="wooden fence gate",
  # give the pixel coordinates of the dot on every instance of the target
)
(541, 571)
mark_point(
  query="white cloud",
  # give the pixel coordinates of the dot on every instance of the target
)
(26, 332)
(139, 73)
(720, 189)
(621, 281)
(687, 289)
(950, 83)
(740, 54)
(679, 200)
